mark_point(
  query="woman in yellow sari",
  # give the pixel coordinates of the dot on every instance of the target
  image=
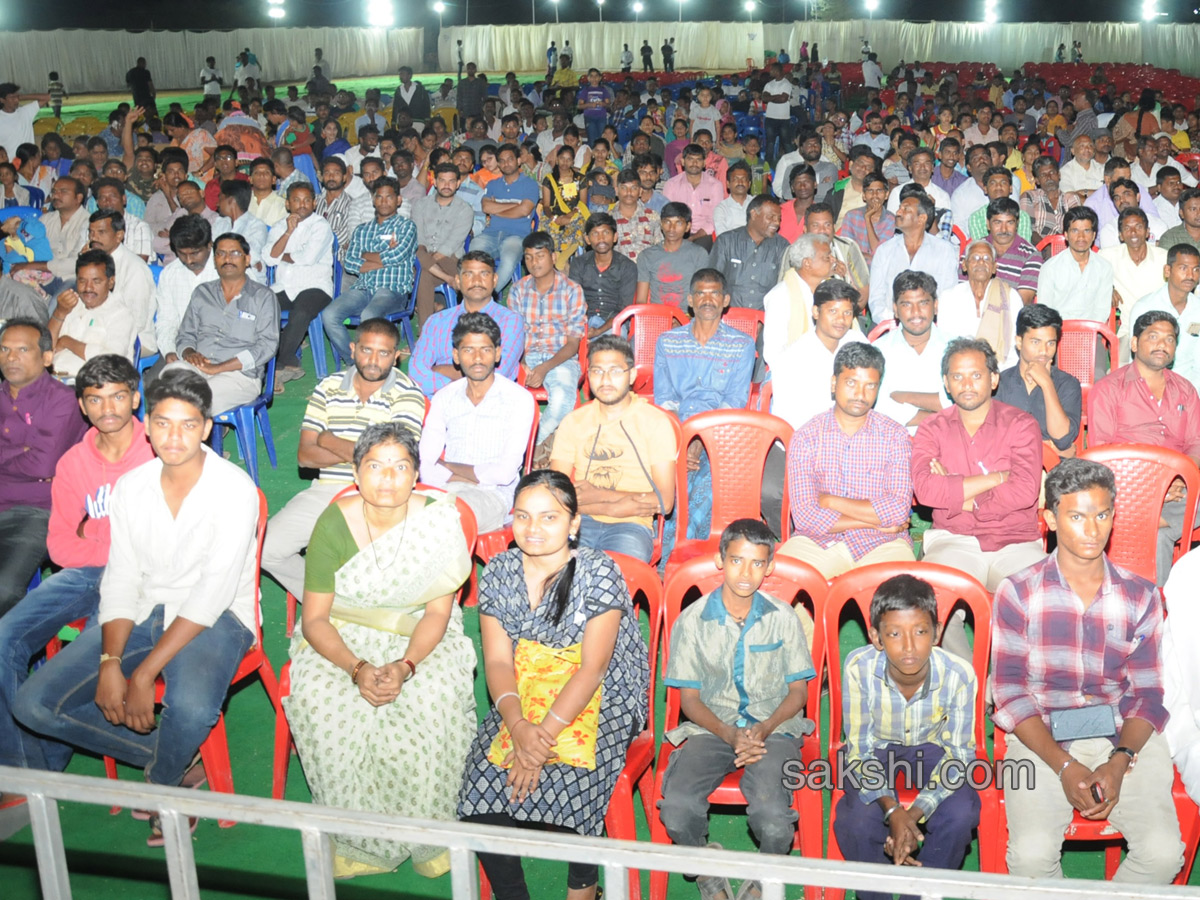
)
(382, 705)
(564, 206)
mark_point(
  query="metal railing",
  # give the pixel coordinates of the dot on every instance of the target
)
(316, 823)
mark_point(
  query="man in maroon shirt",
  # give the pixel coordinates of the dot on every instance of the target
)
(978, 465)
(1146, 403)
(39, 421)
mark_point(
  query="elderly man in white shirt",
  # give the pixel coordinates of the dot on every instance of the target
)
(89, 320)
(963, 311)
(912, 387)
(177, 600)
(912, 247)
(191, 238)
(798, 374)
(1082, 173)
(301, 249)
(478, 427)
(921, 164)
(134, 283)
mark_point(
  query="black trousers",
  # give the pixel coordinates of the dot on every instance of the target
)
(505, 872)
(301, 311)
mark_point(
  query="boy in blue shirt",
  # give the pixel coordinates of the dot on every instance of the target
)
(905, 698)
(740, 660)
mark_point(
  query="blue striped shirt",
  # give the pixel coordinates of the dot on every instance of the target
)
(690, 377)
(376, 237)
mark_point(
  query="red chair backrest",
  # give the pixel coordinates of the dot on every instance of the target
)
(881, 329)
(791, 582)
(1143, 473)
(1077, 348)
(646, 322)
(531, 446)
(950, 586)
(1056, 242)
(962, 240)
(747, 321)
(737, 442)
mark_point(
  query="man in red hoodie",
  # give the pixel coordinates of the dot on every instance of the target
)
(107, 390)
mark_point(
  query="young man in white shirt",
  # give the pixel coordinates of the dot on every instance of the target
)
(177, 601)
(475, 435)
(777, 94)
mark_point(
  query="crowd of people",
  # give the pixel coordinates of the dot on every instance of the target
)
(913, 267)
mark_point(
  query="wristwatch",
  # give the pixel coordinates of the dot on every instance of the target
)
(1132, 756)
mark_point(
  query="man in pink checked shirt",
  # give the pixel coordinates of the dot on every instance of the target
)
(700, 191)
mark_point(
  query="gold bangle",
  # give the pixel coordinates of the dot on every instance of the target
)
(357, 668)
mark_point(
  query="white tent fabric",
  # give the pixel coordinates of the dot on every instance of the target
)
(98, 60)
(726, 45)
(522, 48)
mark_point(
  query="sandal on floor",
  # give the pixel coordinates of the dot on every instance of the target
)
(195, 777)
(714, 887)
(751, 889)
(156, 834)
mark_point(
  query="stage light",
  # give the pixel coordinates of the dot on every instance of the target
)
(380, 13)
(990, 17)
(439, 7)
(276, 12)
(749, 6)
(273, 2)
(1149, 10)
(680, 10)
(872, 5)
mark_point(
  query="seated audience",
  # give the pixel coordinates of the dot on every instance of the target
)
(1071, 634)
(848, 261)
(555, 322)
(432, 365)
(807, 358)
(351, 609)
(665, 270)
(1170, 187)
(382, 253)
(191, 241)
(1017, 261)
(111, 195)
(443, 222)
(912, 247)
(984, 306)
(620, 452)
(1039, 387)
(1178, 298)
(369, 391)
(66, 226)
(870, 225)
(507, 780)
(476, 432)
(742, 711)
(978, 466)
(88, 320)
(906, 700)
(177, 600)
(508, 203)
(1048, 202)
(343, 210)
(1145, 402)
(1077, 282)
(41, 421)
(233, 215)
(230, 329)
(133, 282)
(300, 247)
(106, 388)
(998, 185)
(1188, 229)
(608, 279)
(637, 225)
(731, 212)
(750, 256)
(266, 204)
(1139, 268)
(699, 191)
(848, 474)
(910, 389)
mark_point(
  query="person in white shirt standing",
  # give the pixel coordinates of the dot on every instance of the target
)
(477, 429)
(16, 121)
(211, 78)
(777, 94)
(177, 601)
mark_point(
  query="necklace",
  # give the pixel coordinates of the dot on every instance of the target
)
(371, 538)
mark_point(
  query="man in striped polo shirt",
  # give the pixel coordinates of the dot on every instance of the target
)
(371, 390)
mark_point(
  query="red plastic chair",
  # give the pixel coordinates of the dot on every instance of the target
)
(1143, 473)
(962, 240)
(1077, 356)
(214, 752)
(737, 442)
(951, 588)
(750, 322)
(539, 393)
(283, 732)
(881, 329)
(790, 582)
(1056, 242)
(646, 322)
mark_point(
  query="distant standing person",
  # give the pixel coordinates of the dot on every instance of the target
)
(647, 57)
(668, 54)
(460, 60)
(16, 121)
(211, 78)
(551, 60)
(626, 59)
(1076, 52)
(57, 91)
(141, 85)
(865, 50)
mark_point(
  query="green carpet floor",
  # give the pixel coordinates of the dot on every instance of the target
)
(109, 860)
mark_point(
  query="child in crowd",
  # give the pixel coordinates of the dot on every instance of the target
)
(904, 698)
(57, 92)
(743, 710)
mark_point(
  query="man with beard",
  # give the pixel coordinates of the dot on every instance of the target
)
(225, 168)
(608, 279)
(474, 438)
(808, 153)
(230, 329)
(368, 392)
(338, 206)
(233, 207)
(1178, 298)
(66, 230)
(443, 221)
(84, 323)
(699, 191)
(912, 247)
(911, 386)
(749, 256)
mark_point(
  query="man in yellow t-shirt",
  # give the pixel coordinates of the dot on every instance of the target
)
(620, 451)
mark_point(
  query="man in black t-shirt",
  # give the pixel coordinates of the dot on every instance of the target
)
(141, 85)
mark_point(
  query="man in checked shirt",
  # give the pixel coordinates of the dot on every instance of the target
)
(1073, 634)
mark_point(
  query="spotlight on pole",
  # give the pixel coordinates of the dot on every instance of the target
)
(276, 12)
(380, 13)
(637, 10)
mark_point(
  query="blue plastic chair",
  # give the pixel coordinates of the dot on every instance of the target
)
(316, 329)
(401, 317)
(37, 197)
(155, 270)
(243, 420)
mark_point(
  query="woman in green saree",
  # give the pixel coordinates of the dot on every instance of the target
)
(382, 706)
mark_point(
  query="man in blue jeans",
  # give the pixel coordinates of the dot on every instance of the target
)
(177, 601)
(508, 202)
(107, 391)
(381, 253)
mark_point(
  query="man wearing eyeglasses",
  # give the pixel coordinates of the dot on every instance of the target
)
(230, 329)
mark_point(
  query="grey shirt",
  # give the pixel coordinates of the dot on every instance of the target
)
(247, 327)
(670, 274)
(443, 229)
(750, 269)
(606, 293)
